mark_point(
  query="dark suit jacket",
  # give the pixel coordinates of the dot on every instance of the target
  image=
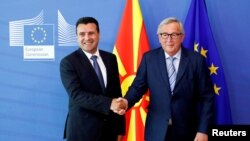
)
(190, 107)
(89, 117)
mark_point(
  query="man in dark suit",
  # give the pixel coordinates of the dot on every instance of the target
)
(181, 95)
(91, 100)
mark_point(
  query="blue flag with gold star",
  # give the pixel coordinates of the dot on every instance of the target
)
(199, 37)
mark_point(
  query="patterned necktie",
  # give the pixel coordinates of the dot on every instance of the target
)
(171, 73)
(98, 71)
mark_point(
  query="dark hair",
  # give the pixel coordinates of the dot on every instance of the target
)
(86, 20)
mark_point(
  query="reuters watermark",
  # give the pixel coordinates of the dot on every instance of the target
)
(236, 132)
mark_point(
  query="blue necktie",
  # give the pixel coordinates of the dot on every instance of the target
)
(171, 73)
(98, 71)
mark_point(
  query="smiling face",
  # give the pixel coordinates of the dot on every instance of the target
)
(170, 37)
(88, 37)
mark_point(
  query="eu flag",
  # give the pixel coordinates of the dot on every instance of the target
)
(36, 35)
(199, 38)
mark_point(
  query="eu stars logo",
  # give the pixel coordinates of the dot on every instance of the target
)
(39, 42)
(41, 33)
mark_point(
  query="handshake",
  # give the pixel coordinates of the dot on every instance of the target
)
(119, 105)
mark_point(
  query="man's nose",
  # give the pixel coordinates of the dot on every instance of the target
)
(86, 36)
(169, 38)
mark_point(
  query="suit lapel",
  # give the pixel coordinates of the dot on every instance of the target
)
(87, 66)
(85, 62)
(163, 67)
(182, 66)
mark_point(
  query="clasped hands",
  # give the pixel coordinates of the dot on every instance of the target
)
(119, 105)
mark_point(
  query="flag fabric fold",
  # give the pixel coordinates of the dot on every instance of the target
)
(199, 37)
(130, 45)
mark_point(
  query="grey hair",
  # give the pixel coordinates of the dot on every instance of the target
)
(168, 21)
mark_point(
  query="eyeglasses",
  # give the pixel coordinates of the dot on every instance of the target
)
(165, 35)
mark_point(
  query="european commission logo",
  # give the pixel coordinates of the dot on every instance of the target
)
(38, 35)
(38, 38)
(39, 42)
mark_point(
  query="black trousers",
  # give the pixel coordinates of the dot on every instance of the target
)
(173, 135)
(169, 134)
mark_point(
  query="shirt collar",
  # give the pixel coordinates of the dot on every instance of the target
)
(177, 55)
(89, 54)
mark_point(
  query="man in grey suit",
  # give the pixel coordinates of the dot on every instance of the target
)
(91, 100)
(181, 91)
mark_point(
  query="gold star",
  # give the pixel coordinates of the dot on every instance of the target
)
(216, 89)
(204, 52)
(213, 69)
(196, 45)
